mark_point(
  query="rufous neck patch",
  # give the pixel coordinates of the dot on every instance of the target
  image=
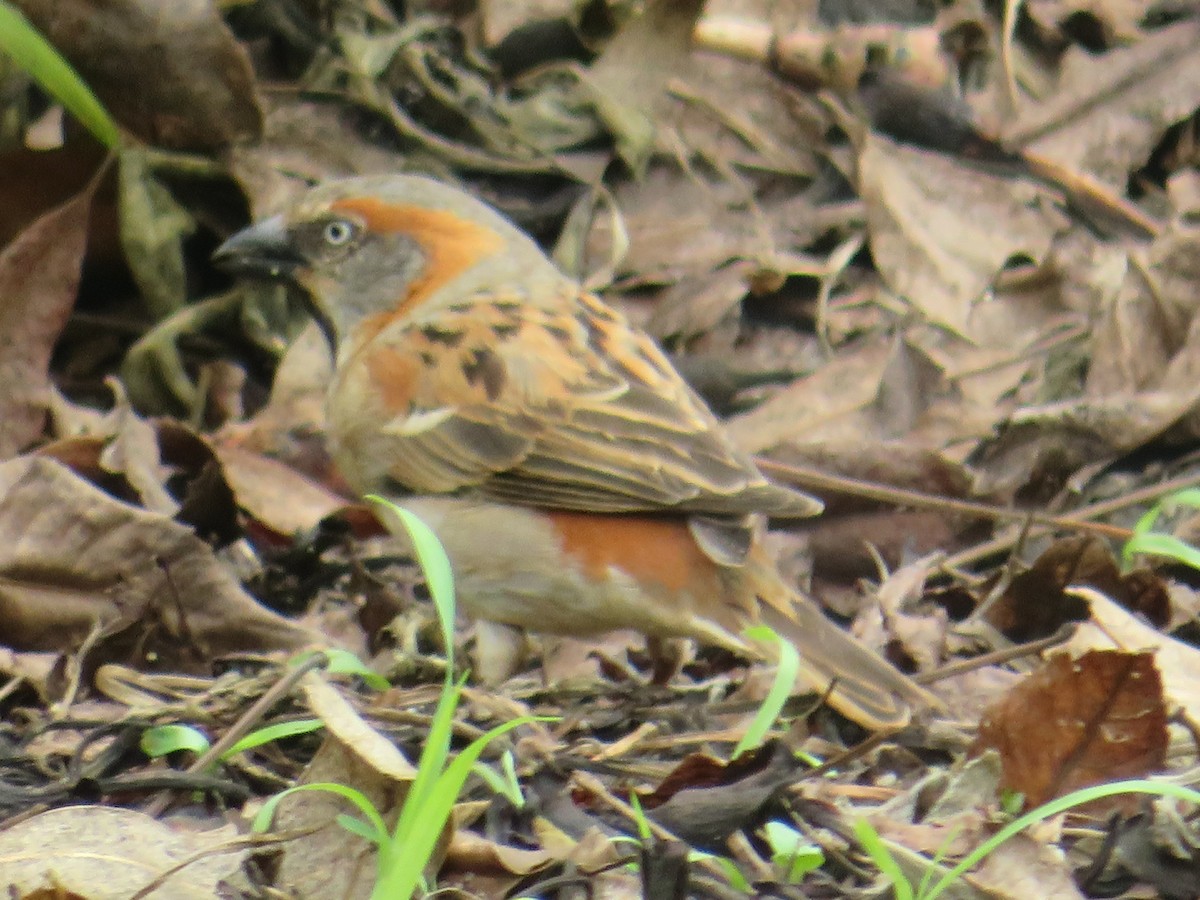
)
(451, 243)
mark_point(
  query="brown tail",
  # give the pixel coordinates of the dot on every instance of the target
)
(860, 683)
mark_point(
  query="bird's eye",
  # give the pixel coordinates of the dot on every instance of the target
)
(338, 232)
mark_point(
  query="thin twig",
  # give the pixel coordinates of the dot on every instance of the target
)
(813, 479)
(996, 657)
(1138, 497)
(248, 720)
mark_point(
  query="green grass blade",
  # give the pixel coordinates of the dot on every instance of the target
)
(733, 874)
(1153, 543)
(505, 782)
(1054, 807)
(275, 732)
(433, 760)
(411, 852)
(793, 853)
(1142, 531)
(436, 567)
(1187, 497)
(33, 53)
(431, 556)
(781, 688)
(883, 859)
(262, 821)
(362, 828)
(343, 662)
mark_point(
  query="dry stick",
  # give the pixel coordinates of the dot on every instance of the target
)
(806, 477)
(996, 657)
(742, 851)
(862, 748)
(1145, 495)
(243, 725)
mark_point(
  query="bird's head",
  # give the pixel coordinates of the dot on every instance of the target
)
(388, 245)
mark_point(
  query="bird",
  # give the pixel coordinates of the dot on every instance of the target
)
(576, 482)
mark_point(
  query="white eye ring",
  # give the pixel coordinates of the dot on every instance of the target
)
(338, 232)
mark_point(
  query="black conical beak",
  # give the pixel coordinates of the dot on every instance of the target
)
(262, 250)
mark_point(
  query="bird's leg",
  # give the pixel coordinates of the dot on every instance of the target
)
(668, 655)
(499, 651)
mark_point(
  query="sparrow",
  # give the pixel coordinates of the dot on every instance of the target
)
(576, 481)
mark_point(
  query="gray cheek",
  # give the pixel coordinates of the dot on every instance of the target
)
(373, 279)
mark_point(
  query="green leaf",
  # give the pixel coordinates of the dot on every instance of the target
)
(781, 688)
(639, 817)
(733, 874)
(164, 739)
(1144, 540)
(33, 53)
(792, 852)
(504, 783)
(360, 827)
(275, 732)
(435, 565)
(343, 662)
(262, 821)
(883, 859)
(1045, 811)
(400, 875)
(1012, 801)
(1156, 544)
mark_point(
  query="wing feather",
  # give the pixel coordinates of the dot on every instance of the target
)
(572, 410)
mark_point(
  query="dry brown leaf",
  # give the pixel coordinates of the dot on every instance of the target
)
(291, 427)
(162, 465)
(275, 495)
(328, 860)
(133, 451)
(1043, 598)
(831, 405)
(1079, 722)
(941, 230)
(1083, 431)
(1111, 625)
(848, 545)
(176, 79)
(109, 853)
(1183, 189)
(886, 622)
(34, 181)
(566, 660)
(1024, 867)
(32, 669)
(630, 75)
(1108, 110)
(500, 18)
(699, 303)
(1013, 333)
(967, 695)
(476, 854)
(304, 141)
(1143, 338)
(72, 558)
(679, 225)
(345, 724)
(39, 276)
